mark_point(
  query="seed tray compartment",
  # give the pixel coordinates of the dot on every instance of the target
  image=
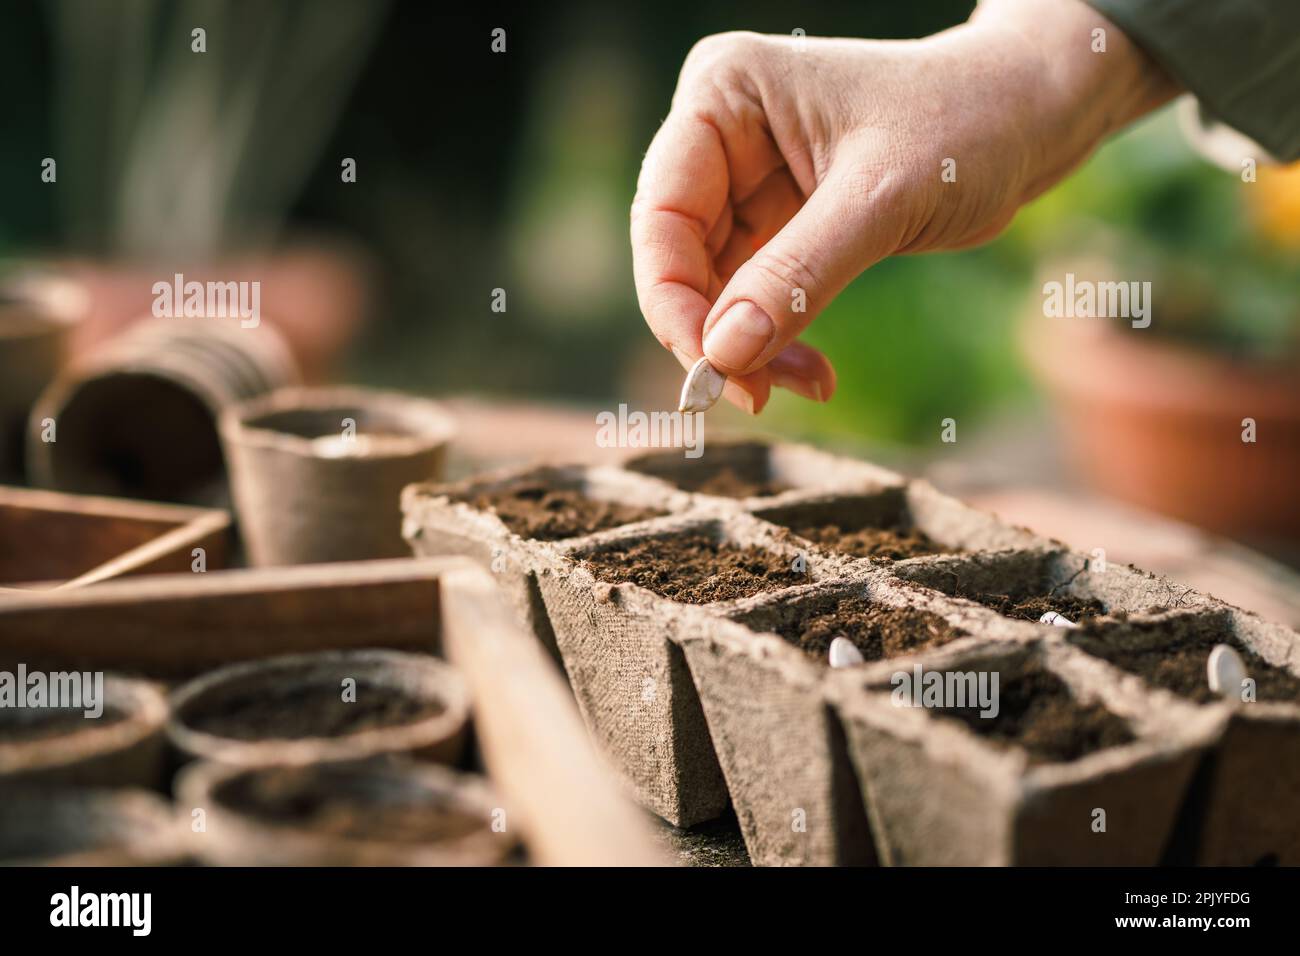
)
(780, 744)
(752, 473)
(1055, 578)
(619, 643)
(916, 508)
(939, 794)
(446, 519)
(691, 703)
(1243, 810)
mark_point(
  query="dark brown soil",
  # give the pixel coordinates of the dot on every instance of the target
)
(1179, 665)
(882, 544)
(728, 483)
(293, 713)
(333, 808)
(1032, 608)
(42, 723)
(693, 568)
(878, 631)
(550, 514)
(1036, 711)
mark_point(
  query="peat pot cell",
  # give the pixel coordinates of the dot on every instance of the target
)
(1037, 712)
(373, 812)
(1172, 653)
(66, 826)
(541, 512)
(878, 631)
(878, 526)
(693, 567)
(114, 740)
(1025, 585)
(327, 706)
(759, 470)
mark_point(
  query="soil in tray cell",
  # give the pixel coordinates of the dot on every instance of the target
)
(297, 798)
(878, 631)
(293, 713)
(551, 514)
(1179, 665)
(883, 544)
(694, 568)
(1036, 711)
(1033, 607)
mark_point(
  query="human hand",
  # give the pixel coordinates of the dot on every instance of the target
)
(787, 166)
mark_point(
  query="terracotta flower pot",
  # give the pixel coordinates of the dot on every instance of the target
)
(1162, 426)
(63, 826)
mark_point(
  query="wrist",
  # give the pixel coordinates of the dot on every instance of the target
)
(1090, 79)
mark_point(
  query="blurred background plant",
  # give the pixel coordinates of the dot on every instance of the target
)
(479, 171)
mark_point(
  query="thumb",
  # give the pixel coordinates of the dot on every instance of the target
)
(779, 290)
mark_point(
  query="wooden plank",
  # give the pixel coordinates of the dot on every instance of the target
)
(54, 539)
(532, 739)
(178, 625)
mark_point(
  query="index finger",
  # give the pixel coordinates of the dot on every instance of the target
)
(681, 192)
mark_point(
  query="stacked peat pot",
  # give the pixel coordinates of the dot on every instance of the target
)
(692, 604)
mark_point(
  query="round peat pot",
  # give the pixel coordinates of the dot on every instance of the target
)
(123, 746)
(318, 473)
(59, 826)
(368, 813)
(138, 417)
(32, 344)
(337, 705)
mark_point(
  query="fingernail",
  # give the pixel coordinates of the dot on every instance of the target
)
(739, 337)
(808, 388)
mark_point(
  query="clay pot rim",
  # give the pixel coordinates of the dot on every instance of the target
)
(199, 785)
(154, 835)
(432, 426)
(437, 679)
(146, 713)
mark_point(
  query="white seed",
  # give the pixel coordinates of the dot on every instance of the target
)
(702, 388)
(844, 653)
(1060, 620)
(1226, 671)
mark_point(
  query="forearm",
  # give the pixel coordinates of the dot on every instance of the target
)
(1093, 80)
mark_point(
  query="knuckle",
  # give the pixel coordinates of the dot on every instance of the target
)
(785, 271)
(720, 50)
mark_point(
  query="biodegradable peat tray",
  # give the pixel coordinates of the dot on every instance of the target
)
(268, 726)
(693, 603)
(49, 539)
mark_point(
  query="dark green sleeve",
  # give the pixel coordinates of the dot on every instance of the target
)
(1240, 58)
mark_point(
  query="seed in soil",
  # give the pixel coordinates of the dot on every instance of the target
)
(551, 514)
(1226, 671)
(327, 806)
(1178, 664)
(1036, 711)
(876, 631)
(843, 653)
(883, 544)
(1056, 620)
(297, 712)
(23, 725)
(693, 568)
